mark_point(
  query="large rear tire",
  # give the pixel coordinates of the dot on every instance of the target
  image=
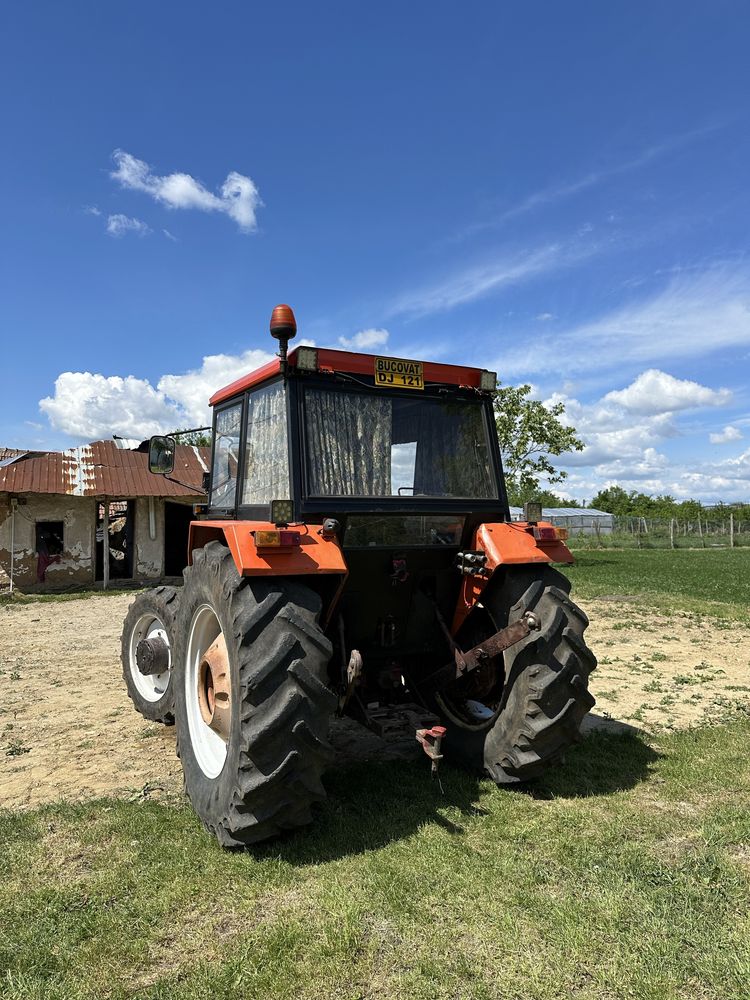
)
(545, 694)
(252, 769)
(150, 617)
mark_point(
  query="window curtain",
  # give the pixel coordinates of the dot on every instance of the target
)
(266, 457)
(349, 441)
(452, 457)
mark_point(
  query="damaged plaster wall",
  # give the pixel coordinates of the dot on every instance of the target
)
(77, 562)
(149, 537)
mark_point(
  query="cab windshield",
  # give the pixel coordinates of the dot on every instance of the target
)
(374, 445)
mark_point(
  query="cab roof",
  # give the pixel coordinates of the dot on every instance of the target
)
(329, 360)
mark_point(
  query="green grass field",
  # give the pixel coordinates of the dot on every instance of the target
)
(625, 874)
(714, 581)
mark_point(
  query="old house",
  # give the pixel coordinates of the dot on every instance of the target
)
(94, 515)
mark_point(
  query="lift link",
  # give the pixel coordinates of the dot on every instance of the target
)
(495, 645)
(477, 656)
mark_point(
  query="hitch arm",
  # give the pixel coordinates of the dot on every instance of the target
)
(496, 644)
(477, 656)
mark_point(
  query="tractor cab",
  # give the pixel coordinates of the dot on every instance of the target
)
(332, 433)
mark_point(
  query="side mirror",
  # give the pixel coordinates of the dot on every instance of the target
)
(161, 455)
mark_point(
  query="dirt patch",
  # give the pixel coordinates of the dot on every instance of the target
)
(64, 702)
(660, 671)
(68, 730)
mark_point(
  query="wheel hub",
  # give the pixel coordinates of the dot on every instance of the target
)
(152, 655)
(214, 698)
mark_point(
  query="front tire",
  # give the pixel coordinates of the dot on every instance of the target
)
(251, 702)
(151, 617)
(545, 694)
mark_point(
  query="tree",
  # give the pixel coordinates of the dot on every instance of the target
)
(529, 434)
(614, 500)
(200, 438)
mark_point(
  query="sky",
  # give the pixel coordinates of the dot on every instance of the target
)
(558, 192)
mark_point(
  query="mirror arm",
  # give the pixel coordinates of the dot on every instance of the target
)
(189, 486)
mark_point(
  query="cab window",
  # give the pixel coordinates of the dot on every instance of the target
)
(226, 457)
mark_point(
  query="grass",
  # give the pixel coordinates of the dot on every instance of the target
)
(712, 581)
(625, 874)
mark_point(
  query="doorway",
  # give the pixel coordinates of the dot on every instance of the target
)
(119, 546)
(177, 518)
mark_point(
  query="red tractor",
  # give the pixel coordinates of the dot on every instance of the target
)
(355, 556)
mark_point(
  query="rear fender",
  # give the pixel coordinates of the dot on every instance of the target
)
(314, 557)
(505, 544)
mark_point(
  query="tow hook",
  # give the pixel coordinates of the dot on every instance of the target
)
(431, 740)
(353, 673)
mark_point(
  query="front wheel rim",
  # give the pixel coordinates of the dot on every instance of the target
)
(205, 647)
(151, 687)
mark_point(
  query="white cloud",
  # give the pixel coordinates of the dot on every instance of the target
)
(170, 236)
(545, 317)
(192, 390)
(726, 481)
(490, 276)
(238, 196)
(627, 435)
(90, 406)
(119, 225)
(728, 434)
(655, 391)
(695, 314)
(91, 210)
(365, 339)
(626, 424)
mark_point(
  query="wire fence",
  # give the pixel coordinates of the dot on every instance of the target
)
(617, 532)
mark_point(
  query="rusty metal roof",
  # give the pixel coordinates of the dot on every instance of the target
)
(101, 469)
(10, 453)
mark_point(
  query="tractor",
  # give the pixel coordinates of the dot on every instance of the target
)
(355, 556)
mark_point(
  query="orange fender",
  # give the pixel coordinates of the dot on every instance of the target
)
(506, 544)
(314, 555)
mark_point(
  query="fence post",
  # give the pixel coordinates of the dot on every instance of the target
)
(671, 533)
(731, 530)
(700, 532)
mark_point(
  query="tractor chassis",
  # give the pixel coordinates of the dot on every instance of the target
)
(389, 721)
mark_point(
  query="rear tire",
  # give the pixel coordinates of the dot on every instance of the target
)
(545, 696)
(266, 776)
(152, 613)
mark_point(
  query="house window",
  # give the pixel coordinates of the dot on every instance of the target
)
(49, 538)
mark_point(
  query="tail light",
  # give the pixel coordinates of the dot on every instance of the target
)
(550, 534)
(276, 539)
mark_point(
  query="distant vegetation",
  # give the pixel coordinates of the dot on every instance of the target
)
(616, 500)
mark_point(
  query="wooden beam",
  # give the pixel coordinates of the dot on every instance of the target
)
(105, 546)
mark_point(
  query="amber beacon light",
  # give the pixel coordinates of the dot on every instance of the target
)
(283, 328)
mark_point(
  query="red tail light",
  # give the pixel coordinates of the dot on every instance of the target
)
(277, 539)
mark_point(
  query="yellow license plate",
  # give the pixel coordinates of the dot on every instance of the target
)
(390, 372)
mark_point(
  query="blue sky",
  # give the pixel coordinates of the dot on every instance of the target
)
(556, 191)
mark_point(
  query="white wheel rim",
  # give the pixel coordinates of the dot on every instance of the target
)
(151, 687)
(209, 748)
